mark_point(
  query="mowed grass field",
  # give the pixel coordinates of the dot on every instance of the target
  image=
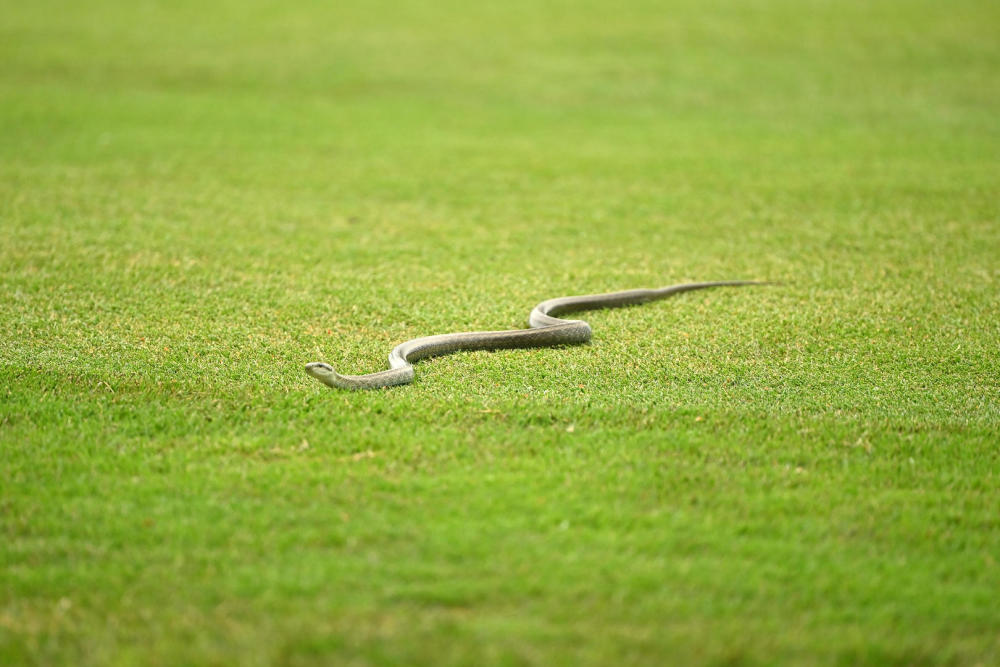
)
(198, 198)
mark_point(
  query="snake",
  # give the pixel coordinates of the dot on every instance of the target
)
(544, 329)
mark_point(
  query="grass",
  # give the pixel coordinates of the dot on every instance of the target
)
(198, 198)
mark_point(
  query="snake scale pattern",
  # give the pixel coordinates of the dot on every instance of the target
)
(545, 329)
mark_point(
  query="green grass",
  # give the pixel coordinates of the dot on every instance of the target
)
(198, 198)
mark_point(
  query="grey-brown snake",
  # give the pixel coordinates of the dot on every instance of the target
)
(545, 329)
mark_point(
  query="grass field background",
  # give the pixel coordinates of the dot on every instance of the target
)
(198, 198)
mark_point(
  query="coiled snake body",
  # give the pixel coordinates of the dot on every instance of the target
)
(546, 330)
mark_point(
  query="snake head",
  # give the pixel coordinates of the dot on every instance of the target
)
(323, 372)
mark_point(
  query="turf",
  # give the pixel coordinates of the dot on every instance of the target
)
(198, 198)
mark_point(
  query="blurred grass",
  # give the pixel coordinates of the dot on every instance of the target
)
(196, 199)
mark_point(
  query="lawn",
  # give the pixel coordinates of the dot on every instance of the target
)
(198, 198)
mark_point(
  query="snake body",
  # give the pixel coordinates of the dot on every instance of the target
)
(545, 329)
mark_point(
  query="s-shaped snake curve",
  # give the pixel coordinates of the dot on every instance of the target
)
(545, 329)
